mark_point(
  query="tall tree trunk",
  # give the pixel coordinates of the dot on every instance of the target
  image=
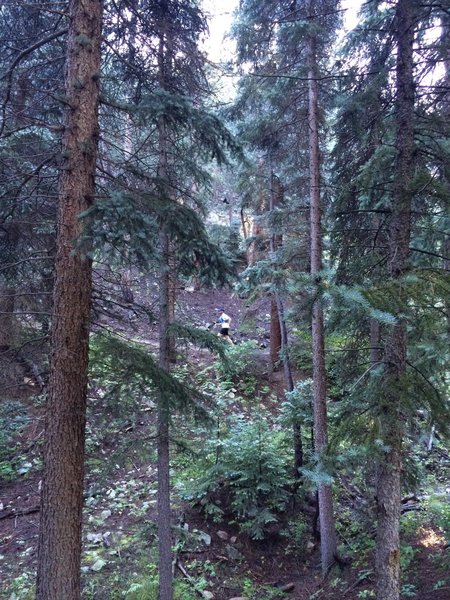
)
(289, 385)
(165, 310)
(445, 33)
(59, 551)
(391, 420)
(164, 528)
(277, 315)
(275, 335)
(172, 298)
(328, 540)
(276, 240)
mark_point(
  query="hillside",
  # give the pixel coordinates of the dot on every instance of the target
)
(216, 557)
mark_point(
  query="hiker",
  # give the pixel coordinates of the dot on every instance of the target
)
(224, 321)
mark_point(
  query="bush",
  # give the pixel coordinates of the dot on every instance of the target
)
(439, 509)
(248, 479)
(148, 590)
(241, 361)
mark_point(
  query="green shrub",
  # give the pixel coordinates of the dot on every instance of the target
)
(439, 509)
(241, 359)
(406, 556)
(247, 476)
(297, 534)
(148, 590)
(21, 588)
(410, 522)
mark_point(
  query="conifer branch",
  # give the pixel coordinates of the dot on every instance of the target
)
(421, 251)
(9, 74)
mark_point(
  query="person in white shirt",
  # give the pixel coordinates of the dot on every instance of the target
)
(224, 322)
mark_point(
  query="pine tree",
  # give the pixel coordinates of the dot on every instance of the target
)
(166, 308)
(328, 539)
(62, 485)
(391, 418)
(275, 38)
(387, 234)
(175, 134)
(30, 128)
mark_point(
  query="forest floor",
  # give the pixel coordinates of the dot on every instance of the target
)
(214, 560)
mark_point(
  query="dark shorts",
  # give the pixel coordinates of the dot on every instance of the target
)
(223, 331)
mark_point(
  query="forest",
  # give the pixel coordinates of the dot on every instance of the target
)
(224, 300)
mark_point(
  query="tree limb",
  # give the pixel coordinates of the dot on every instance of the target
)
(9, 74)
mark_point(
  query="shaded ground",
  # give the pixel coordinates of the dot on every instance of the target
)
(119, 527)
(111, 523)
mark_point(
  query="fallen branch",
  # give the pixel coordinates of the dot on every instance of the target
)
(191, 580)
(20, 513)
(409, 507)
(361, 578)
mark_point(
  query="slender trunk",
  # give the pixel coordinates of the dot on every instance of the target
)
(276, 193)
(163, 444)
(164, 528)
(244, 224)
(391, 419)
(165, 311)
(375, 333)
(446, 250)
(289, 385)
(275, 335)
(172, 299)
(328, 541)
(59, 551)
(253, 249)
(276, 240)
(445, 25)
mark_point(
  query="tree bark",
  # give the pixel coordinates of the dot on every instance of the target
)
(166, 288)
(172, 298)
(275, 335)
(278, 330)
(445, 26)
(391, 419)
(289, 385)
(276, 240)
(59, 551)
(328, 539)
(164, 514)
